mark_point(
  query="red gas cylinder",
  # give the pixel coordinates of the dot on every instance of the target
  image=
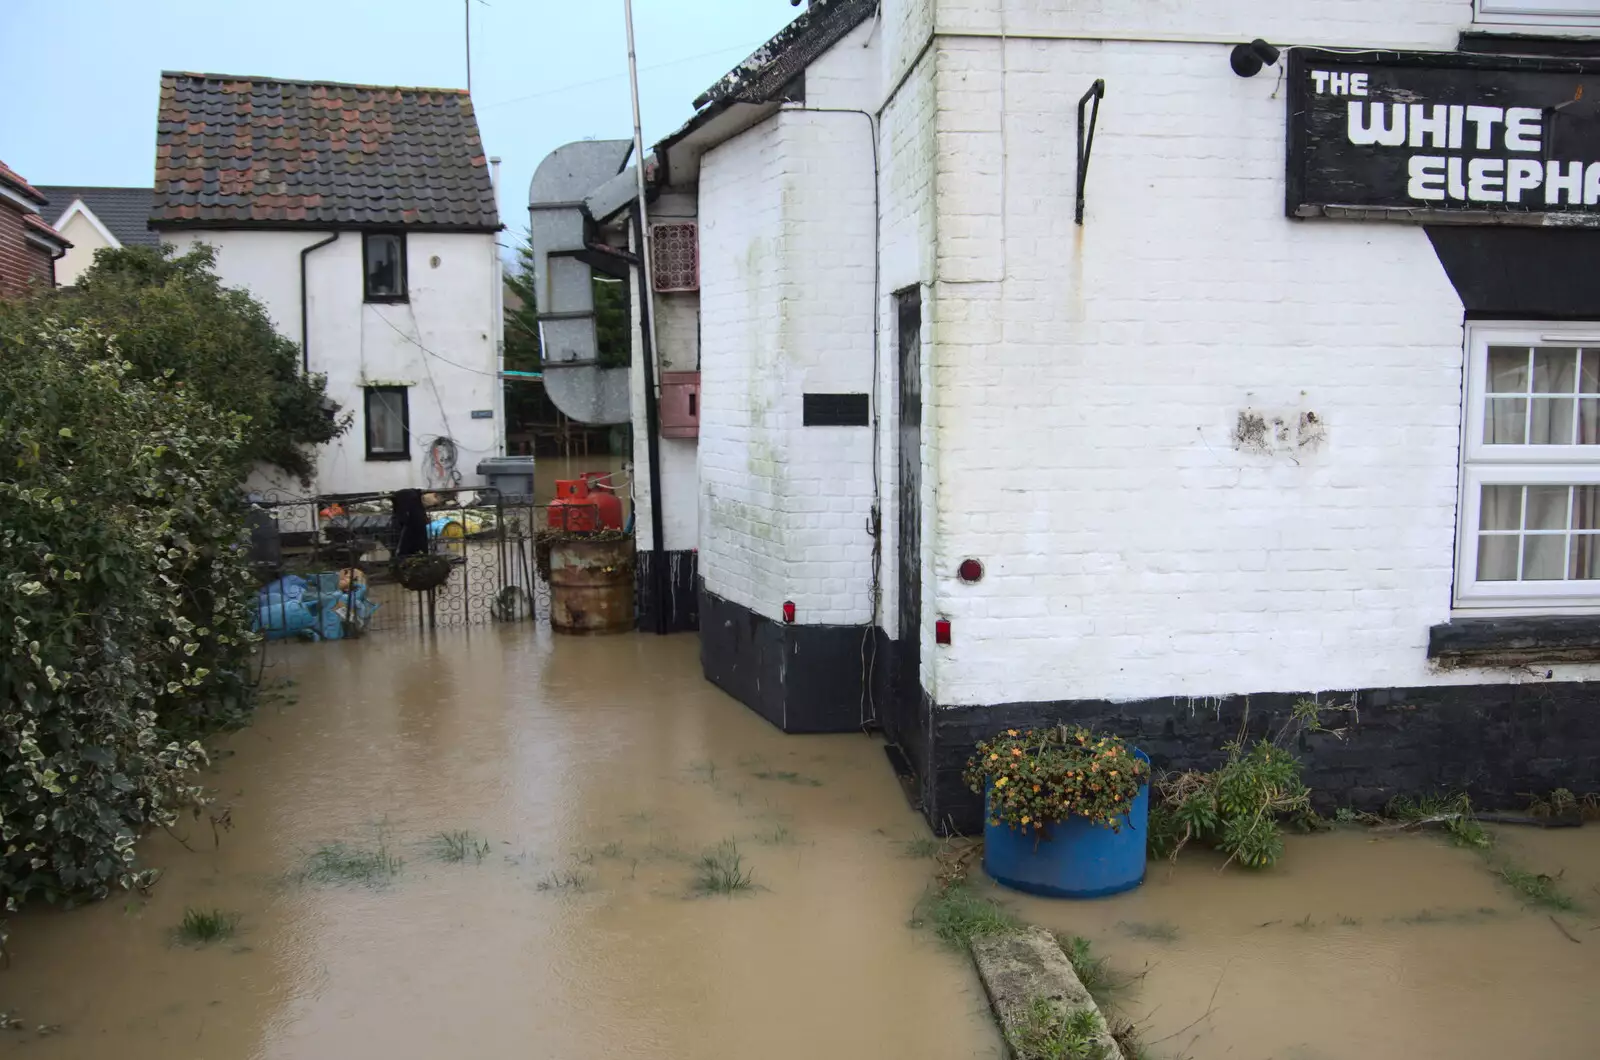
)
(586, 504)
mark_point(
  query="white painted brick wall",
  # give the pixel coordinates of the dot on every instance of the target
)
(787, 236)
(1086, 381)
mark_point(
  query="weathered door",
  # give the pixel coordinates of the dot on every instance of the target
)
(909, 677)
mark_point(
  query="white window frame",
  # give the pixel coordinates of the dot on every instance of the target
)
(1554, 14)
(1526, 465)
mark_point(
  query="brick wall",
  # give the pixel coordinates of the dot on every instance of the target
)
(787, 234)
(1087, 382)
(22, 264)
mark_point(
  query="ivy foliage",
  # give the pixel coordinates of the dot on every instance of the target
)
(172, 318)
(125, 588)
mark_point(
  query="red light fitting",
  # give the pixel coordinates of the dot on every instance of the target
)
(788, 612)
(970, 570)
(941, 631)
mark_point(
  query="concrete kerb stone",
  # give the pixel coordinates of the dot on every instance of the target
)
(1016, 969)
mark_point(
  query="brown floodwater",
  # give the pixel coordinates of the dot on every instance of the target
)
(1357, 945)
(596, 771)
(591, 774)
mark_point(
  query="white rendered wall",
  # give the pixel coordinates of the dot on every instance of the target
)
(85, 239)
(677, 334)
(787, 272)
(451, 313)
(1087, 382)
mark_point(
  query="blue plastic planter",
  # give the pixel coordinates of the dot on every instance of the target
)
(1074, 858)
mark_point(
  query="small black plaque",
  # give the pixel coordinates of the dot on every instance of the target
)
(837, 410)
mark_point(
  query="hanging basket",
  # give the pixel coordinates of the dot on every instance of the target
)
(421, 574)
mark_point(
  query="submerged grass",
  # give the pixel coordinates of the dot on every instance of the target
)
(920, 847)
(1153, 931)
(1047, 1033)
(564, 880)
(1534, 888)
(343, 863)
(779, 835)
(720, 870)
(201, 926)
(787, 776)
(458, 846)
(958, 914)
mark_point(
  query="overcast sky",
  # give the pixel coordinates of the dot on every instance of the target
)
(81, 85)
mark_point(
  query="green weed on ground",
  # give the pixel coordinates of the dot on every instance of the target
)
(1046, 1033)
(720, 870)
(202, 926)
(920, 847)
(958, 914)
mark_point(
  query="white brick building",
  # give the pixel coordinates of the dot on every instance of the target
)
(1212, 457)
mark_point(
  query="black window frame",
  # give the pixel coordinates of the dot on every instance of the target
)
(367, 294)
(405, 421)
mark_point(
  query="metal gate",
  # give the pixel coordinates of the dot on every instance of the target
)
(310, 544)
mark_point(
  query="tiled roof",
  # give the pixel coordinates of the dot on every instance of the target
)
(37, 224)
(765, 75)
(124, 211)
(254, 152)
(10, 178)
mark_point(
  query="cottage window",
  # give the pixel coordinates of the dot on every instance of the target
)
(388, 423)
(383, 256)
(1530, 501)
(1547, 12)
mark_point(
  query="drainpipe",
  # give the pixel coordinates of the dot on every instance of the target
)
(305, 316)
(652, 420)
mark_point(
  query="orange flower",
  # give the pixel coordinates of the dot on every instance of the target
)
(1036, 787)
(1011, 732)
(1016, 751)
(993, 757)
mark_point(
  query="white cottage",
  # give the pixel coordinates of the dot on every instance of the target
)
(364, 218)
(1154, 367)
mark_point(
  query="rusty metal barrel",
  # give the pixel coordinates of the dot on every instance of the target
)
(591, 586)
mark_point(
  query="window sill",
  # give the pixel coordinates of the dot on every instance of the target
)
(388, 456)
(386, 299)
(1516, 641)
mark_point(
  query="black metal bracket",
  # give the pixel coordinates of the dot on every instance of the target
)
(1097, 92)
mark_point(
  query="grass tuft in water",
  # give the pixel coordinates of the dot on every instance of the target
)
(958, 914)
(787, 776)
(343, 863)
(720, 870)
(202, 926)
(1454, 812)
(1046, 1033)
(1153, 931)
(779, 835)
(920, 847)
(612, 849)
(564, 880)
(459, 846)
(1535, 888)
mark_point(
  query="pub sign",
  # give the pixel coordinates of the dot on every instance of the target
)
(1443, 137)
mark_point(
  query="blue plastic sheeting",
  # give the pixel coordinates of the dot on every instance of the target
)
(316, 609)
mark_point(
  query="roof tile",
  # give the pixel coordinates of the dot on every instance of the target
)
(240, 151)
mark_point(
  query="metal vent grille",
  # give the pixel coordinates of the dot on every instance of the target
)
(675, 250)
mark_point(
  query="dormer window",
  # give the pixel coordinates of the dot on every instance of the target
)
(383, 258)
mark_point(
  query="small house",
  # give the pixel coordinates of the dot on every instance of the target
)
(95, 219)
(29, 247)
(363, 217)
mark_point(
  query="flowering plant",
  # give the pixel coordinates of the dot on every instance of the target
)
(1035, 777)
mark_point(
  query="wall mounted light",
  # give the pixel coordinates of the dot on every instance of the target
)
(970, 571)
(1248, 59)
(788, 612)
(941, 631)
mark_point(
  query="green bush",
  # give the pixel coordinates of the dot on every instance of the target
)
(170, 317)
(124, 602)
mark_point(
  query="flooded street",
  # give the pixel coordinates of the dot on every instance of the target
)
(1397, 946)
(490, 841)
(580, 781)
